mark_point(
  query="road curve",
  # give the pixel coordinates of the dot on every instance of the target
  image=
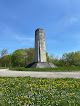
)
(10, 73)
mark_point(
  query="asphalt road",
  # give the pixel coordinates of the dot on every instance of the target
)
(10, 73)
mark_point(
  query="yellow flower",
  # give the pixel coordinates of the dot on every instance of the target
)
(22, 96)
(69, 101)
(16, 86)
(31, 88)
(34, 93)
(16, 98)
(29, 102)
(50, 88)
(50, 93)
(59, 100)
(45, 85)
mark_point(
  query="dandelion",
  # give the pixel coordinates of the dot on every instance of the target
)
(22, 96)
(31, 88)
(29, 102)
(16, 98)
(45, 85)
(39, 91)
(69, 101)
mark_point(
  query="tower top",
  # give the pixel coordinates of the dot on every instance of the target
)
(39, 29)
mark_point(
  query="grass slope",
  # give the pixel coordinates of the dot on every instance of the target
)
(27, 91)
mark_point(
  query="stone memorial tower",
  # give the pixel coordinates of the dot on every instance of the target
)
(40, 51)
(40, 60)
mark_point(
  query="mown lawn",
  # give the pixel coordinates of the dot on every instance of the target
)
(69, 68)
(27, 91)
(2, 68)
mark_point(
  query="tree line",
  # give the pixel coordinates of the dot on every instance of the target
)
(23, 57)
(19, 58)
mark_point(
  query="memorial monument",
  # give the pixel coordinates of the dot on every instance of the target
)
(40, 60)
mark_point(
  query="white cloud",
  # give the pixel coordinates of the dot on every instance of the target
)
(19, 38)
(10, 39)
(64, 22)
(9, 35)
(71, 21)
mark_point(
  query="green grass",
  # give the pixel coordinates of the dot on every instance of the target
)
(77, 68)
(27, 91)
(2, 68)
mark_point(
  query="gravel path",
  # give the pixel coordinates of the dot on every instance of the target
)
(10, 73)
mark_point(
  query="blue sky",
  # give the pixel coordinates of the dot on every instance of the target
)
(60, 20)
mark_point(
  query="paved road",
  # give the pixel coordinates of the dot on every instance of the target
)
(10, 73)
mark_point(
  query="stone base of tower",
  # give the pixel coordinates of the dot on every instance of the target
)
(41, 65)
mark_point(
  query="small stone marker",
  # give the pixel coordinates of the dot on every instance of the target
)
(40, 60)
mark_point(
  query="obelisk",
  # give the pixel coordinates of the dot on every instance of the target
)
(40, 60)
(39, 51)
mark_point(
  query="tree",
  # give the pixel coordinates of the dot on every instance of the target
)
(47, 57)
(4, 52)
(51, 58)
(77, 58)
(54, 60)
(72, 58)
(61, 63)
(5, 61)
(16, 58)
(30, 56)
(22, 57)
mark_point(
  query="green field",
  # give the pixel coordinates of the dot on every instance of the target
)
(69, 68)
(27, 91)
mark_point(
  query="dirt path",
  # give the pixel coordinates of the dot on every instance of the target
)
(10, 73)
